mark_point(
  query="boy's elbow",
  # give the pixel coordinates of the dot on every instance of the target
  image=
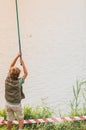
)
(25, 74)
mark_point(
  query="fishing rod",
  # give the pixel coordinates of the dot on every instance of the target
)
(18, 28)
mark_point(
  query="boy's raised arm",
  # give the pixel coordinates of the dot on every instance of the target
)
(15, 59)
(24, 69)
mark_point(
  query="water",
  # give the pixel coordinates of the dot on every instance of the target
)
(53, 36)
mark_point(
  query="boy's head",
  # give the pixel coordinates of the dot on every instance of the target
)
(14, 72)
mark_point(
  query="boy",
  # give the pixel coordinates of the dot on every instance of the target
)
(13, 92)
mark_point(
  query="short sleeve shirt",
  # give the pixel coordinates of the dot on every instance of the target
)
(21, 81)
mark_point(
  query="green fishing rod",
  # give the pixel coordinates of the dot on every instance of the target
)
(18, 28)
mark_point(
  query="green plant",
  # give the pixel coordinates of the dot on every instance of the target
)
(3, 113)
(75, 102)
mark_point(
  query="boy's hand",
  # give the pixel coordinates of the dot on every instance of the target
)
(21, 62)
(19, 54)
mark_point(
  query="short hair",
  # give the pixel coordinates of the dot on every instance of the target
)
(14, 73)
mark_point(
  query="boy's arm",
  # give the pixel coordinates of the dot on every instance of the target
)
(24, 69)
(15, 59)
